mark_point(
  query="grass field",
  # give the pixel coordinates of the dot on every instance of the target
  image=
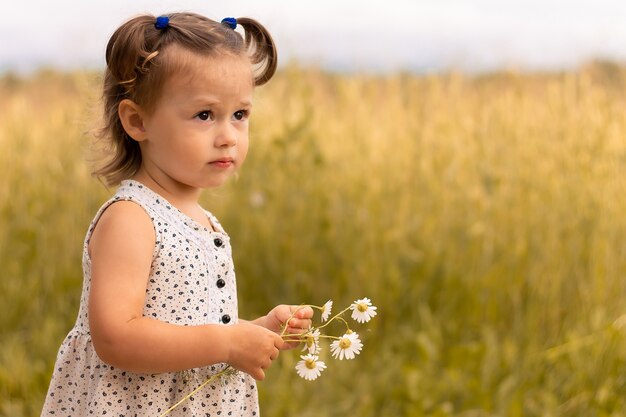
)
(485, 216)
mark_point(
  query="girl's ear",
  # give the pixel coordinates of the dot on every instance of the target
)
(132, 117)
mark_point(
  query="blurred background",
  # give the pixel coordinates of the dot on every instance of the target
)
(461, 163)
(348, 35)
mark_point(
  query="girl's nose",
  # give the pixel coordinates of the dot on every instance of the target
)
(227, 136)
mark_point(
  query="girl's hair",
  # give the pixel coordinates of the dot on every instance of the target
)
(137, 67)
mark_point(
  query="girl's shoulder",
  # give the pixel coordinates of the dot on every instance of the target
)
(128, 210)
(137, 198)
(122, 224)
(126, 214)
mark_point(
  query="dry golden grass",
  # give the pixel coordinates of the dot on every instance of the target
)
(485, 216)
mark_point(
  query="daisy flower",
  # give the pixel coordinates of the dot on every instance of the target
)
(348, 346)
(363, 310)
(310, 367)
(312, 342)
(326, 309)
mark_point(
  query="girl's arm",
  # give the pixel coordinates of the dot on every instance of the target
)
(121, 249)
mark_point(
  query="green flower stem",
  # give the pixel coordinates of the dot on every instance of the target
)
(186, 397)
(337, 317)
(321, 336)
(282, 334)
(295, 339)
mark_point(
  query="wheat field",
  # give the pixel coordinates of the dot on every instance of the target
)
(485, 216)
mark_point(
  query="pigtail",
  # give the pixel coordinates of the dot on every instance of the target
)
(261, 49)
(128, 51)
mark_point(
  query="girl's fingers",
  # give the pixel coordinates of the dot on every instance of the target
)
(302, 312)
(290, 345)
(298, 324)
(274, 354)
(296, 331)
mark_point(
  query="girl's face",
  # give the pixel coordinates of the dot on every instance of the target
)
(197, 134)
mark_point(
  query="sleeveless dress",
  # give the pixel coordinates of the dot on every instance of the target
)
(192, 282)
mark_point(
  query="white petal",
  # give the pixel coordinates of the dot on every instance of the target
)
(326, 310)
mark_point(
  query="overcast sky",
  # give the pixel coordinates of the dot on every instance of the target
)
(420, 35)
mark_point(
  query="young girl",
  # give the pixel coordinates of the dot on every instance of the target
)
(158, 313)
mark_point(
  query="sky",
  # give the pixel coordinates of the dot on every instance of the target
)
(342, 35)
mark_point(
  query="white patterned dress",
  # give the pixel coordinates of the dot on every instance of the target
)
(192, 282)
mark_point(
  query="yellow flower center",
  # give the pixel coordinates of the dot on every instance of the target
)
(309, 341)
(362, 307)
(345, 343)
(310, 363)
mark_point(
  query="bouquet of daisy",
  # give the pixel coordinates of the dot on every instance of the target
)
(346, 346)
(310, 367)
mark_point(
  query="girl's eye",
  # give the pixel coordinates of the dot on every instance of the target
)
(240, 114)
(204, 115)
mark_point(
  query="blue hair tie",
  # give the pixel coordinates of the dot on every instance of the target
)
(162, 22)
(231, 22)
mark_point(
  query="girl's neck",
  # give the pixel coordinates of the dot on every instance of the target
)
(184, 198)
(175, 193)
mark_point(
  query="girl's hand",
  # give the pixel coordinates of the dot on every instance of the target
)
(296, 318)
(252, 348)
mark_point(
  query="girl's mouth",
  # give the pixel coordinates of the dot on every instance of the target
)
(222, 163)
